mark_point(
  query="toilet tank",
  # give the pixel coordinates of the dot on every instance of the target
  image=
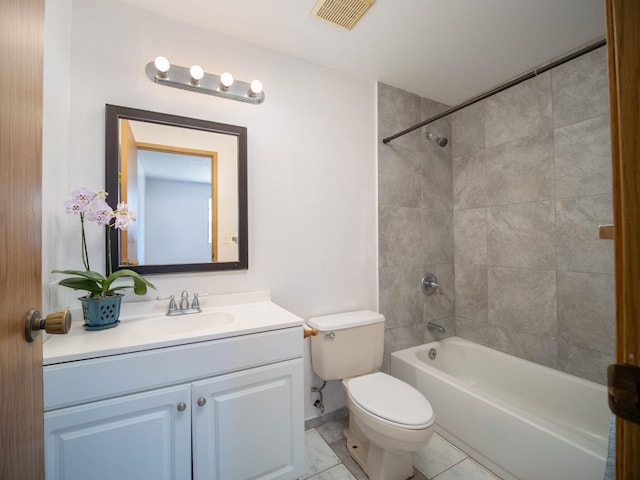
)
(348, 344)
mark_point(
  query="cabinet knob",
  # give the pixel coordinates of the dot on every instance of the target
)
(202, 401)
(182, 407)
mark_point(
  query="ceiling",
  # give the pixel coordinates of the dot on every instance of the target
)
(446, 50)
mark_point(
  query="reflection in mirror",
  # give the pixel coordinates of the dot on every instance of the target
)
(186, 181)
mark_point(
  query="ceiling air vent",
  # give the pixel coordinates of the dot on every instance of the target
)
(343, 13)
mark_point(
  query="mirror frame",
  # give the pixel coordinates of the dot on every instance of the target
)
(113, 115)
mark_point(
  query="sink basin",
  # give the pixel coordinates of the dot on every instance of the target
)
(196, 322)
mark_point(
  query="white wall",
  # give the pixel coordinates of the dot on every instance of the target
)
(312, 161)
(177, 230)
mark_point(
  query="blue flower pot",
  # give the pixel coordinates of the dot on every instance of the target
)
(100, 313)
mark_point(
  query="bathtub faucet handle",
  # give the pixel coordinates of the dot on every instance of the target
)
(429, 284)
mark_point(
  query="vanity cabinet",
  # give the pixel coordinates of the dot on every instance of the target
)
(242, 425)
(226, 409)
(135, 436)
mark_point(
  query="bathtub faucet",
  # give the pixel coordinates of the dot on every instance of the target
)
(434, 327)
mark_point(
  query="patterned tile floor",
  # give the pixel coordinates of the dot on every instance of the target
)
(328, 459)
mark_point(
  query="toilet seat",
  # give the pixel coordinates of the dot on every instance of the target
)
(391, 401)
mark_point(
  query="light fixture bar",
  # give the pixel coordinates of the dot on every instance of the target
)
(210, 84)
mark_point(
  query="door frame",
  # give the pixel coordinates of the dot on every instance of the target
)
(623, 43)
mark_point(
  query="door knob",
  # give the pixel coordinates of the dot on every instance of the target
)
(57, 323)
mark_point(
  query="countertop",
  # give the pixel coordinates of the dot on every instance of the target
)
(144, 326)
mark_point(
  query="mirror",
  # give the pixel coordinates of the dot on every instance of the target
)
(186, 180)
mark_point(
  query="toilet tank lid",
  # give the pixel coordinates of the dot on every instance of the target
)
(339, 321)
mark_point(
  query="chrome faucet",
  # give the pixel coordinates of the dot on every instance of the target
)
(184, 308)
(184, 300)
(429, 284)
(434, 327)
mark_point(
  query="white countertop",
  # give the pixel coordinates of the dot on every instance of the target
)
(144, 326)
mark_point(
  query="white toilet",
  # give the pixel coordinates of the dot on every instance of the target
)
(388, 419)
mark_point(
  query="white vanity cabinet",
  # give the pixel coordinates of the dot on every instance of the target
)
(227, 409)
(135, 436)
(242, 424)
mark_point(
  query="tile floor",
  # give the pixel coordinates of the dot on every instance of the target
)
(328, 459)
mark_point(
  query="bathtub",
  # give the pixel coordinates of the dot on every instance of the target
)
(519, 419)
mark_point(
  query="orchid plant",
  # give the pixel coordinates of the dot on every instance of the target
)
(93, 207)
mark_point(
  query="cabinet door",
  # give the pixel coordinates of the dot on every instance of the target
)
(249, 424)
(134, 437)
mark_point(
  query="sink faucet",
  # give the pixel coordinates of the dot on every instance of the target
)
(184, 308)
(184, 300)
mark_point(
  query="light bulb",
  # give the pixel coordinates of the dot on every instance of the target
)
(196, 72)
(162, 64)
(256, 87)
(226, 79)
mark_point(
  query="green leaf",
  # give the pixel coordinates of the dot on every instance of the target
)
(97, 284)
(88, 274)
(81, 284)
(139, 284)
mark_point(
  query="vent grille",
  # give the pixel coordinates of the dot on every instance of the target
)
(343, 13)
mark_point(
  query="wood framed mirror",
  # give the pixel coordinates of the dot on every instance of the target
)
(186, 180)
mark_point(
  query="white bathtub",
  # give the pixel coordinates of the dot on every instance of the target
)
(520, 419)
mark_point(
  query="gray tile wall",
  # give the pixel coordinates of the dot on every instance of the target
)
(507, 218)
(415, 221)
(532, 182)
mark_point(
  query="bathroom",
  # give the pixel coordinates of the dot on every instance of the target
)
(331, 228)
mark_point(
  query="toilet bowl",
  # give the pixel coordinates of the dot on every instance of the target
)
(388, 418)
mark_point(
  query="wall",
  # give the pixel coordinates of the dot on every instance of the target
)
(531, 184)
(415, 213)
(312, 174)
(177, 228)
(528, 184)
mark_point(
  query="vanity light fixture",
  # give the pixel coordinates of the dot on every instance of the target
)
(196, 73)
(255, 88)
(196, 79)
(226, 80)
(162, 65)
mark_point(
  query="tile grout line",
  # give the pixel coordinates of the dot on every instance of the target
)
(449, 468)
(355, 475)
(322, 471)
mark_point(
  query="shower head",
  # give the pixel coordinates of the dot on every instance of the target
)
(441, 141)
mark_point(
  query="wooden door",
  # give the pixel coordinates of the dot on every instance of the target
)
(623, 39)
(21, 405)
(128, 155)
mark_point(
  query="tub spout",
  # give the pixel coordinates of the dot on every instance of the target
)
(434, 327)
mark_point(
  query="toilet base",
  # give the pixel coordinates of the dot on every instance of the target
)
(377, 463)
(358, 448)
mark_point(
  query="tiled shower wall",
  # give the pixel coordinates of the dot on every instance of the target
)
(415, 220)
(530, 181)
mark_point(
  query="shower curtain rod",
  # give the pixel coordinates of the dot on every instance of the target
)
(500, 88)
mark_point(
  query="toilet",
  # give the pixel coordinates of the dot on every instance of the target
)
(388, 418)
